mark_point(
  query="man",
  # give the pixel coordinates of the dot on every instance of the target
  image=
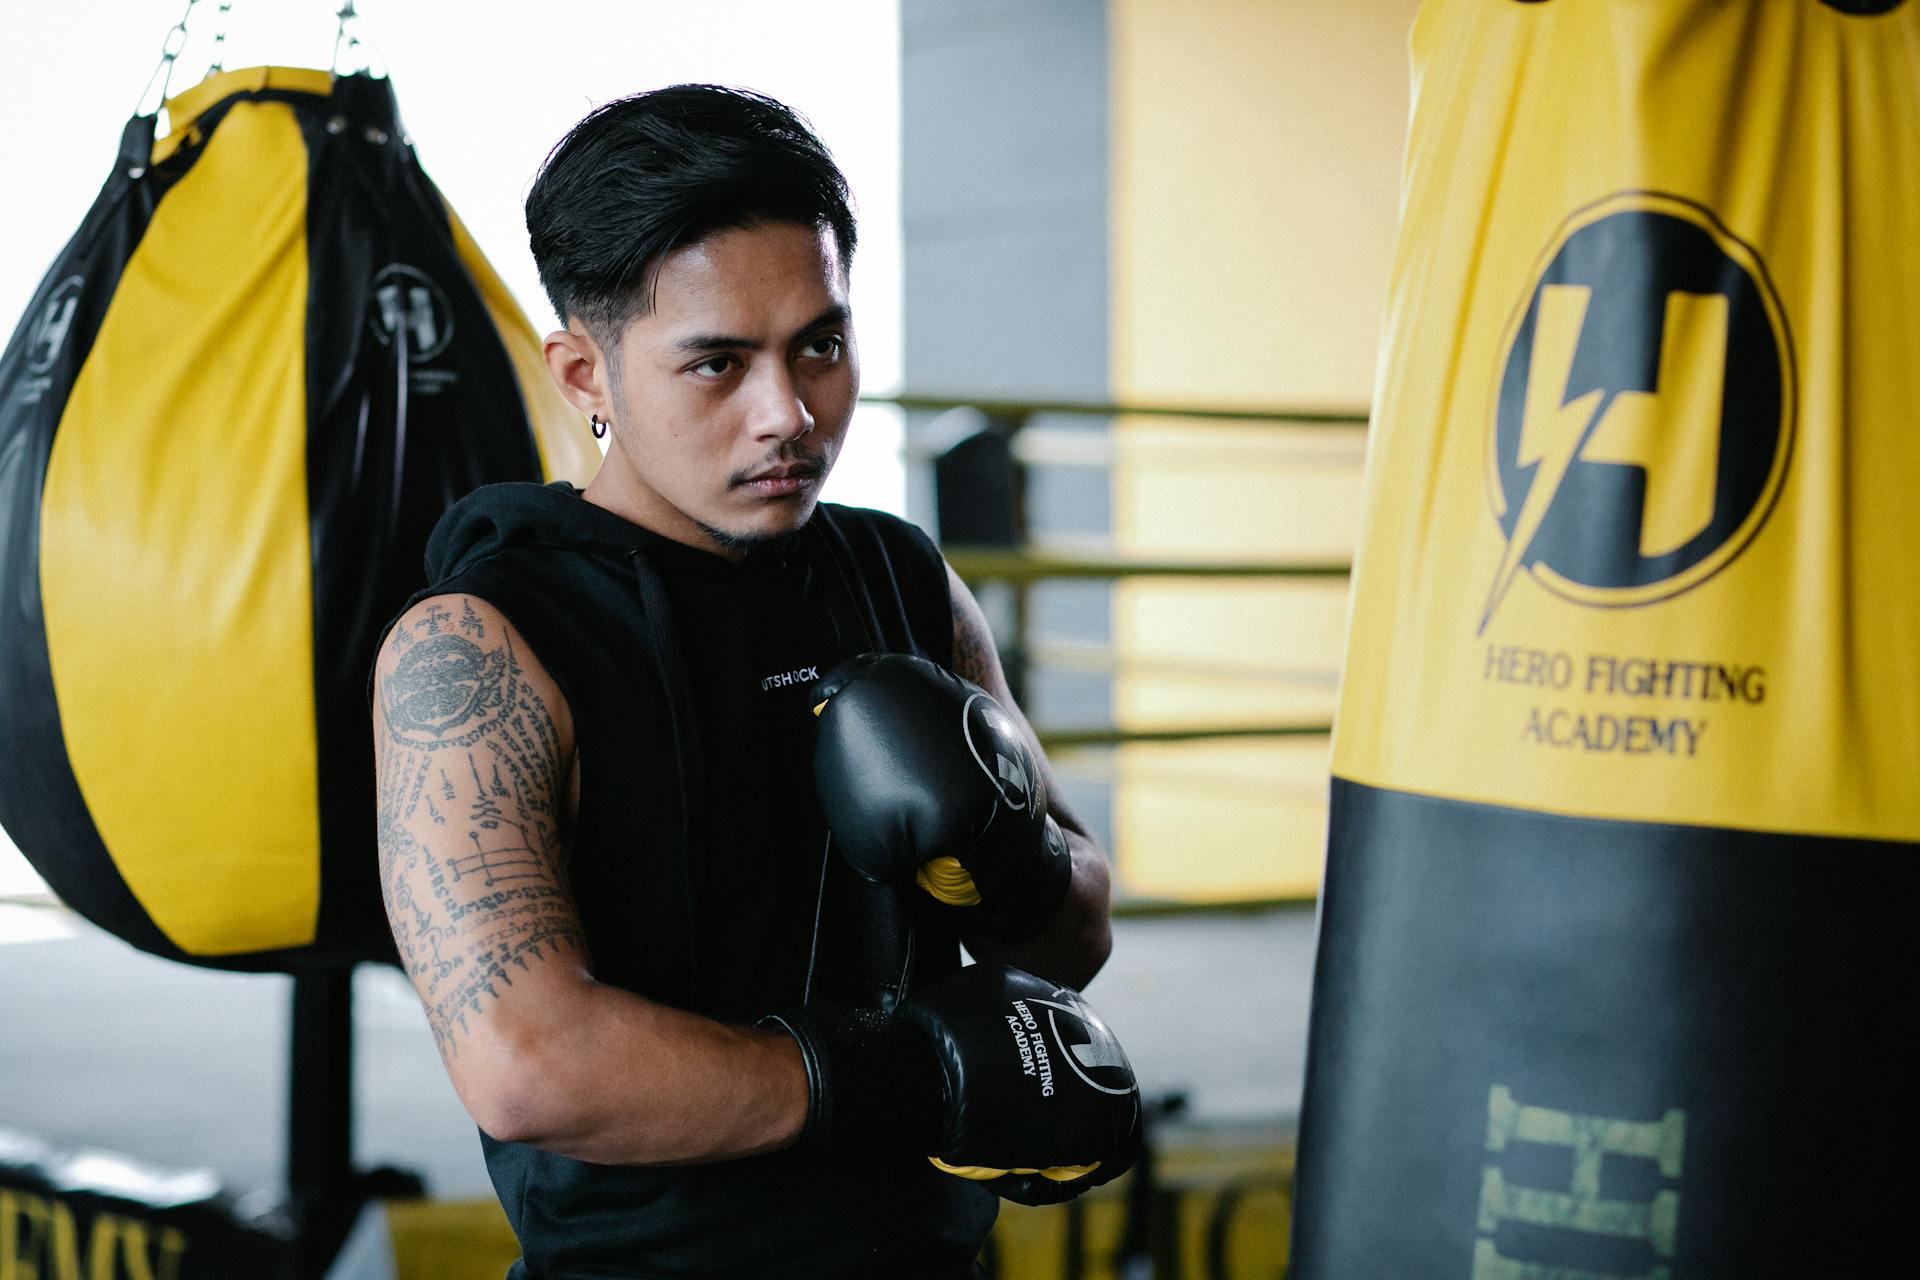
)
(698, 1041)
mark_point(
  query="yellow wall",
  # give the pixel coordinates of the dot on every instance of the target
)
(1255, 170)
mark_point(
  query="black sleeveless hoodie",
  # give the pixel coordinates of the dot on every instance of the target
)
(699, 860)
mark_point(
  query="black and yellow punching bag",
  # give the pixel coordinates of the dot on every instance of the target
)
(250, 384)
(1617, 964)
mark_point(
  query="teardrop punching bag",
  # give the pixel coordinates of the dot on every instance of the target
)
(248, 387)
(1616, 971)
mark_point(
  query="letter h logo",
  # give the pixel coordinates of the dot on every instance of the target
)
(411, 311)
(1581, 1208)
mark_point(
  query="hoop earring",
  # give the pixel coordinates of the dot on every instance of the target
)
(599, 426)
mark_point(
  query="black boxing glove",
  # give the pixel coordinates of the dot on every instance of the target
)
(993, 1074)
(921, 773)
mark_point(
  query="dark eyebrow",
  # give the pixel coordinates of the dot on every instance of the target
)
(835, 314)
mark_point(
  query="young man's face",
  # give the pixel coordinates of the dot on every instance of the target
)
(732, 395)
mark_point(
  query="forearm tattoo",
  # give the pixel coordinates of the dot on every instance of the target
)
(471, 786)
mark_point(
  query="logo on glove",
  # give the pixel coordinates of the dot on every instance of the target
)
(985, 721)
(1094, 1054)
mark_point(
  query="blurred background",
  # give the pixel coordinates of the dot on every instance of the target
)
(1118, 299)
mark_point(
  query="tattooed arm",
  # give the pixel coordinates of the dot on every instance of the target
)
(1075, 943)
(477, 776)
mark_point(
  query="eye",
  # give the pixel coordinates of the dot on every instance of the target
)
(827, 347)
(712, 368)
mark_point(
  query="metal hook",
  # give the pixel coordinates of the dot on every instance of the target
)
(366, 50)
(169, 50)
(351, 39)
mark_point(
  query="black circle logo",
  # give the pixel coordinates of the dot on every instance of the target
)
(406, 301)
(1645, 408)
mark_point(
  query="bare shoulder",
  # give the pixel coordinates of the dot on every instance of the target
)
(974, 656)
(473, 747)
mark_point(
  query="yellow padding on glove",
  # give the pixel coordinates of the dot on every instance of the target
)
(980, 1173)
(948, 881)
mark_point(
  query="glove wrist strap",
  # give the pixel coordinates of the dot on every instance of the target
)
(872, 1086)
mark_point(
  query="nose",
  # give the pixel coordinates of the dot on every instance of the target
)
(779, 412)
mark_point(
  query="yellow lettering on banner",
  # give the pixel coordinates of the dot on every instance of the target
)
(23, 1234)
(39, 1240)
(1672, 433)
(100, 1252)
(119, 1239)
(132, 1235)
(173, 1247)
(63, 1250)
(62, 1253)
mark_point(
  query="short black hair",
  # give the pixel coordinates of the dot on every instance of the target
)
(647, 174)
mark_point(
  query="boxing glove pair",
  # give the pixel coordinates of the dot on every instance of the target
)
(994, 1074)
(921, 775)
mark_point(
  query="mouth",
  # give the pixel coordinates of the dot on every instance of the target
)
(781, 482)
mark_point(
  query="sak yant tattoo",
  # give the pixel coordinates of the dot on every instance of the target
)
(468, 747)
(445, 684)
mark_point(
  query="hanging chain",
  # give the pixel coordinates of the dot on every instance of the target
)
(342, 35)
(220, 38)
(169, 51)
(346, 39)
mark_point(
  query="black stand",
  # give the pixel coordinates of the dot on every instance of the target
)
(324, 1190)
(320, 1181)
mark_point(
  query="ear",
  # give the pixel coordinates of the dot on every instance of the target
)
(579, 368)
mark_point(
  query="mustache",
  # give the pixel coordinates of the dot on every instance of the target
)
(790, 461)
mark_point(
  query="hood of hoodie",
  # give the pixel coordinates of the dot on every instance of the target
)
(499, 517)
(496, 517)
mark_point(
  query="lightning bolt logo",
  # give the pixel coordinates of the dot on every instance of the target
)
(1671, 433)
(1551, 432)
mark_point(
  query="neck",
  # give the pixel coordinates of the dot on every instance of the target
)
(638, 506)
(616, 488)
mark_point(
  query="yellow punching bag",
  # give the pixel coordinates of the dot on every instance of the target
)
(1616, 970)
(266, 363)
